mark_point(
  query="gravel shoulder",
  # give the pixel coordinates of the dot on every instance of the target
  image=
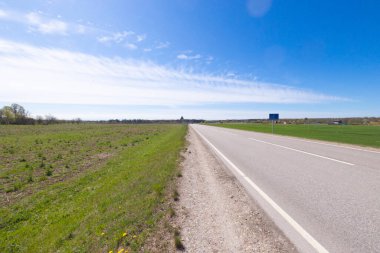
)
(215, 214)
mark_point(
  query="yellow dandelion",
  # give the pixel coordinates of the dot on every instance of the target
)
(103, 233)
(134, 236)
(110, 251)
(120, 251)
(124, 234)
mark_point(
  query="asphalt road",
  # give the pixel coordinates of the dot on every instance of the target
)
(324, 196)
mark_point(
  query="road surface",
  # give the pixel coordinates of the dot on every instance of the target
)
(324, 196)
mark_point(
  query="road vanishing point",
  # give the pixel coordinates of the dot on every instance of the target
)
(324, 196)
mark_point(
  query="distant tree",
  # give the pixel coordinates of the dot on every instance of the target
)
(20, 113)
(39, 120)
(7, 115)
(77, 120)
(50, 119)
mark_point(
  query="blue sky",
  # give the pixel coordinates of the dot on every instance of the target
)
(197, 58)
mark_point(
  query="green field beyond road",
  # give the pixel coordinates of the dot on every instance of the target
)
(358, 134)
(83, 188)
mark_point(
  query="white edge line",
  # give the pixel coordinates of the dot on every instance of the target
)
(303, 152)
(314, 243)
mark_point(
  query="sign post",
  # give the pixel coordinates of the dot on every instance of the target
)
(273, 117)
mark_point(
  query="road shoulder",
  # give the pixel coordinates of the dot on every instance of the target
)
(215, 214)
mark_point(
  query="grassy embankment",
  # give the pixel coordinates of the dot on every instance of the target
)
(350, 134)
(83, 188)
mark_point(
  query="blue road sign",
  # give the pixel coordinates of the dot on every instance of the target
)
(274, 116)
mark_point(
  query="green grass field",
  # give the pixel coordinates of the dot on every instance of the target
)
(84, 188)
(350, 134)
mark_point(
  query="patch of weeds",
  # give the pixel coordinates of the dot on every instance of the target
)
(17, 186)
(11, 150)
(30, 178)
(177, 240)
(42, 165)
(175, 195)
(49, 171)
(70, 236)
(158, 188)
(22, 160)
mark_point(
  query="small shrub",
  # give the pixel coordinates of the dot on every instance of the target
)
(49, 172)
(177, 240)
(30, 179)
(17, 186)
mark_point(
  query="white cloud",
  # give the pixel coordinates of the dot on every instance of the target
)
(37, 22)
(124, 36)
(81, 29)
(46, 26)
(117, 37)
(147, 49)
(3, 14)
(258, 8)
(140, 37)
(188, 57)
(209, 59)
(31, 74)
(131, 46)
(162, 45)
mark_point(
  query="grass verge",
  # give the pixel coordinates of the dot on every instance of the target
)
(350, 134)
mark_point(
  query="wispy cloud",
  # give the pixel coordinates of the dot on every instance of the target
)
(32, 74)
(37, 22)
(162, 45)
(131, 46)
(117, 37)
(46, 26)
(3, 14)
(129, 38)
(188, 57)
(140, 37)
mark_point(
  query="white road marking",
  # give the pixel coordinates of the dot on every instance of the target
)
(314, 243)
(315, 142)
(303, 152)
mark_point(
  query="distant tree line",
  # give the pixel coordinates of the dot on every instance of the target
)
(15, 114)
(146, 121)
